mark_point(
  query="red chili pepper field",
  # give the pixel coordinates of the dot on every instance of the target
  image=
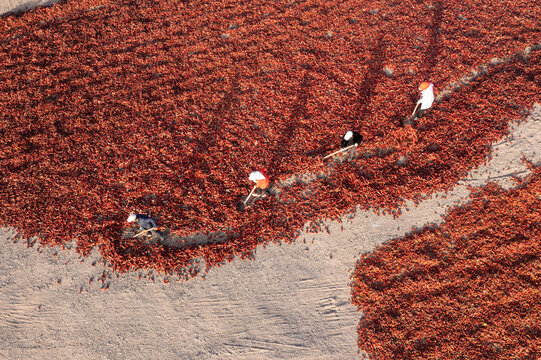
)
(466, 290)
(167, 106)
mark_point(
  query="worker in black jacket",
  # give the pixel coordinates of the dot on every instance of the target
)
(350, 141)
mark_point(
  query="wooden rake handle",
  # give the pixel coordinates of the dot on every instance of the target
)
(250, 195)
(415, 110)
(339, 151)
(144, 232)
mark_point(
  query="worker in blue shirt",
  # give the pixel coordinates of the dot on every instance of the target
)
(146, 223)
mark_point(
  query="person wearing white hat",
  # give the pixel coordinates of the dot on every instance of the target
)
(425, 101)
(351, 140)
(262, 181)
(260, 189)
(146, 223)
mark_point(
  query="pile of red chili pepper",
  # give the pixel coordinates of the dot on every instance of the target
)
(468, 289)
(167, 106)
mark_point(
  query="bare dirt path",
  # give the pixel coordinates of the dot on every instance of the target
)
(8, 6)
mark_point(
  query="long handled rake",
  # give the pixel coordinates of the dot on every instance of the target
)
(144, 232)
(415, 110)
(339, 151)
(249, 195)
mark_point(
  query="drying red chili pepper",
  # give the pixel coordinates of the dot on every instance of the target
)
(475, 275)
(166, 107)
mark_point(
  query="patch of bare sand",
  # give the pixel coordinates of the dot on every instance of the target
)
(17, 6)
(291, 302)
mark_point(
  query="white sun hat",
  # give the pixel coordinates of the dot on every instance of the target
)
(256, 175)
(132, 217)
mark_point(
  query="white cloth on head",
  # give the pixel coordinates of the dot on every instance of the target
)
(132, 218)
(427, 97)
(348, 135)
(256, 175)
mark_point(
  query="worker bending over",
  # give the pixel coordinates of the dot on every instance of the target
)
(146, 223)
(262, 181)
(425, 101)
(350, 141)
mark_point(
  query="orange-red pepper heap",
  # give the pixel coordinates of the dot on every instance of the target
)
(468, 289)
(167, 106)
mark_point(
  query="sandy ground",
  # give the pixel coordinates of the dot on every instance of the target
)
(14, 6)
(291, 302)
